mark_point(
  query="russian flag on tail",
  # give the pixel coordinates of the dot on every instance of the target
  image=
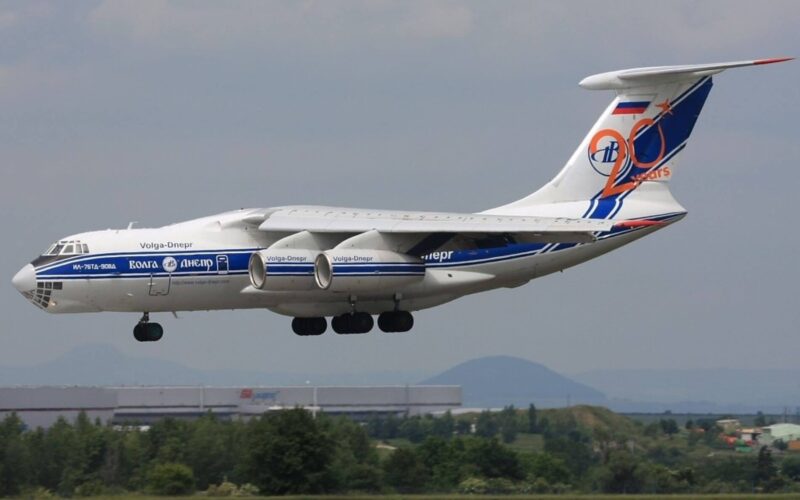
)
(631, 108)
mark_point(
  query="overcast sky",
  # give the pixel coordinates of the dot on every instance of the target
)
(164, 111)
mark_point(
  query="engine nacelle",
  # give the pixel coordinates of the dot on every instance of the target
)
(353, 270)
(282, 270)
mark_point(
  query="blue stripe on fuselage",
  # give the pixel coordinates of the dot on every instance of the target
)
(150, 264)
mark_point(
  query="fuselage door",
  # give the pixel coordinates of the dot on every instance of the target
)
(222, 264)
(160, 283)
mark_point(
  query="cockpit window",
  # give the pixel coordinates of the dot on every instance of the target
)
(55, 249)
(70, 247)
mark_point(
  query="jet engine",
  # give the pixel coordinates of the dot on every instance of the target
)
(282, 270)
(355, 270)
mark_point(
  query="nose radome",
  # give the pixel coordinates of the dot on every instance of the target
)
(25, 279)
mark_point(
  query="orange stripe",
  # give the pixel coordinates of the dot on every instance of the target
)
(773, 60)
(638, 223)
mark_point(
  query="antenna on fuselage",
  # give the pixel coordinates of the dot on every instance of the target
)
(131, 223)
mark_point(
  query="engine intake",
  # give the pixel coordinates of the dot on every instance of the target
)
(282, 270)
(354, 270)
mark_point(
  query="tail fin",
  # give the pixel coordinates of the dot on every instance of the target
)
(637, 139)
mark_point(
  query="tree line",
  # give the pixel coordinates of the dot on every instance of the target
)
(294, 452)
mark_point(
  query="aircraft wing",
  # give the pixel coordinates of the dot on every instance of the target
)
(347, 220)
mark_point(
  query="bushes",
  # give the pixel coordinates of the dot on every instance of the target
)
(170, 479)
(228, 489)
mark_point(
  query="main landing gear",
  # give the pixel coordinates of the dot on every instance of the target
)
(354, 323)
(144, 331)
(309, 326)
(359, 322)
(396, 321)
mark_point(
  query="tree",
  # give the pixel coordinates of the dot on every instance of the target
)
(622, 474)
(760, 420)
(405, 471)
(443, 460)
(486, 425)
(492, 459)
(13, 456)
(574, 448)
(507, 423)
(765, 466)
(355, 461)
(412, 429)
(545, 466)
(171, 479)
(790, 467)
(533, 424)
(668, 426)
(444, 426)
(209, 451)
(289, 454)
(463, 427)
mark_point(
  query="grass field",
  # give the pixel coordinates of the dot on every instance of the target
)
(741, 496)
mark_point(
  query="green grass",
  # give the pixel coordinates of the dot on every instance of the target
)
(734, 496)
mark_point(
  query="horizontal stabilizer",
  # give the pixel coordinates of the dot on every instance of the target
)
(639, 77)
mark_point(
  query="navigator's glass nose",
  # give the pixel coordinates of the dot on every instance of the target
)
(25, 279)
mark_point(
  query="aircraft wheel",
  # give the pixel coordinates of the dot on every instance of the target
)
(139, 332)
(341, 324)
(309, 326)
(154, 332)
(148, 332)
(395, 321)
(352, 323)
(362, 322)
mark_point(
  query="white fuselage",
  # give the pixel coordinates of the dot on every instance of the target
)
(203, 265)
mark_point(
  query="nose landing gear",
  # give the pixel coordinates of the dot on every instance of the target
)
(144, 331)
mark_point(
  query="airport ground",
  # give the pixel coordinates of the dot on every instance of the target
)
(772, 496)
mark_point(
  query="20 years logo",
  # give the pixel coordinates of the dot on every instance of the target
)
(609, 151)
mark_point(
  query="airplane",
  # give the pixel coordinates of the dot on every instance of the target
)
(350, 264)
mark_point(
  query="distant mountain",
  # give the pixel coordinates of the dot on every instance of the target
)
(721, 387)
(102, 364)
(489, 382)
(498, 381)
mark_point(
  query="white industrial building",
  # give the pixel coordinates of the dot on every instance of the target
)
(41, 406)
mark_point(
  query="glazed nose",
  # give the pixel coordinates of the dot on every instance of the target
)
(25, 279)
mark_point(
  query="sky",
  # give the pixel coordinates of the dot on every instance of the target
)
(158, 112)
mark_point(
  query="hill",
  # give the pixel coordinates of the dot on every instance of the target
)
(592, 418)
(497, 381)
(102, 364)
